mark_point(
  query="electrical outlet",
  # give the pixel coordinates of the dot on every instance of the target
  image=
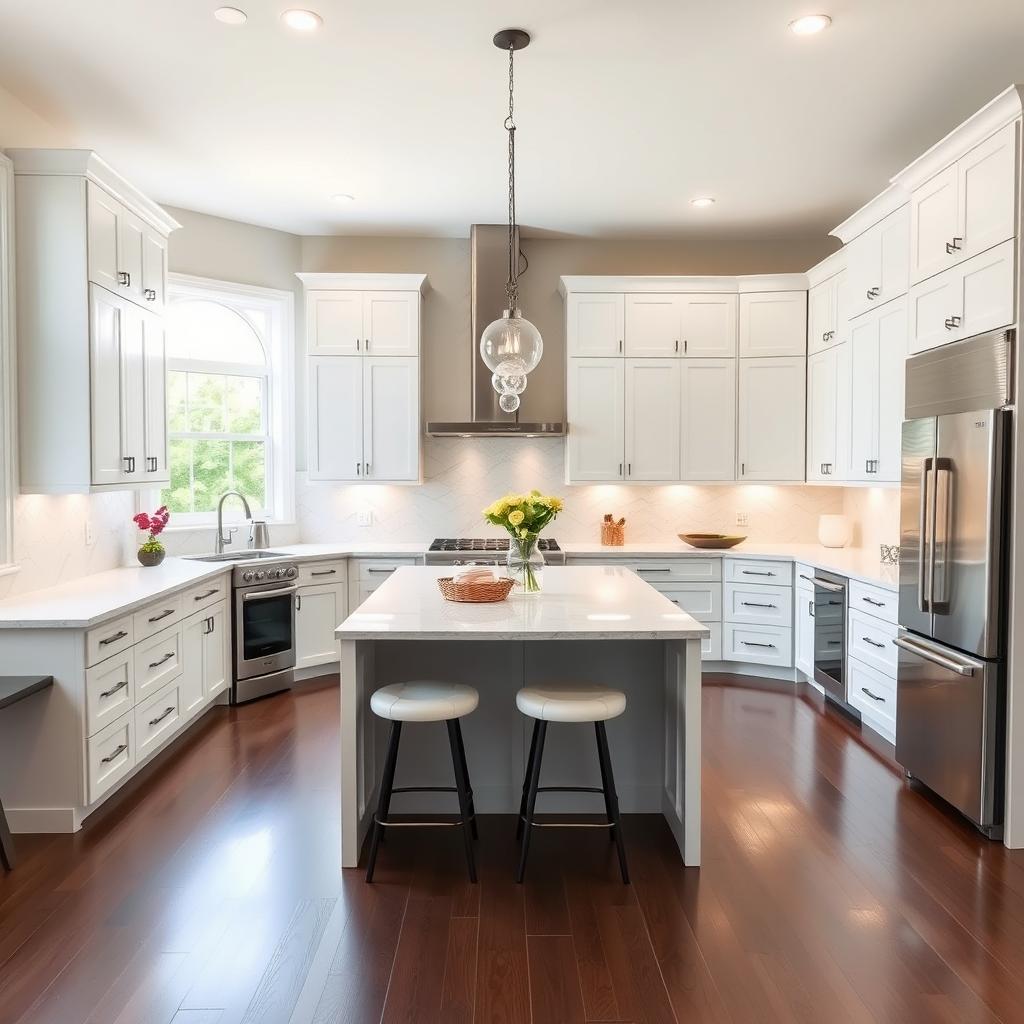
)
(365, 517)
(90, 534)
(742, 519)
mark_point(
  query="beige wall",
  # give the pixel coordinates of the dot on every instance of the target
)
(22, 128)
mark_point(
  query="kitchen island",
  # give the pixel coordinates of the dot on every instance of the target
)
(596, 624)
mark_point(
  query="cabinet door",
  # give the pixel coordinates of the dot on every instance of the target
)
(391, 419)
(103, 213)
(771, 419)
(131, 243)
(133, 394)
(106, 315)
(987, 284)
(822, 384)
(864, 404)
(933, 225)
(804, 621)
(932, 305)
(193, 638)
(892, 358)
(595, 324)
(154, 467)
(864, 267)
(894, 255)
(391, 323)
(773, 324)
(154, 269)
(217, 651)
(709, 325)
(318, 611)
(820, 316)
(335, 404)
(986, 186)
(652, 419)
(840, 308)
(334, 323)
(653, 326)
(596, 407)
(708, 419)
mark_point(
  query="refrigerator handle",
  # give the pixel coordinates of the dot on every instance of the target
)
(961, 668)
(941, 518)
(923, 560)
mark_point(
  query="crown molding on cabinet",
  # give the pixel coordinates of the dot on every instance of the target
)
(873, 211)
(1006, 107)
(827, 268)
(85, 163)
(366, 282)
(568, 284)
(771, 283)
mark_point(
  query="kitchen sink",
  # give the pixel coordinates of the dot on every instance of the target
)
(236, 556)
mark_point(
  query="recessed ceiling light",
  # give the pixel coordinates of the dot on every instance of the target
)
(810, 24)
(343, 197)
(302, 21)
(230, 16)
(702, 201)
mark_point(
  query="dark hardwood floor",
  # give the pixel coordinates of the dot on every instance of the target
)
(210, 894)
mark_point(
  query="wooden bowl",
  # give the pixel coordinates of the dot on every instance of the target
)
(475, 593)
(714, 541)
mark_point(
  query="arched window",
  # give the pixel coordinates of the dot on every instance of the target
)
(223, 420)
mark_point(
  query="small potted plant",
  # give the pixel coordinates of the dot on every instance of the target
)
(152, 552)
(524, 516)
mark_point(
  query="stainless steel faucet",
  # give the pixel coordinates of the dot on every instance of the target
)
(222, 541)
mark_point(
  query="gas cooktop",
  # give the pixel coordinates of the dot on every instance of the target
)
(470, 544)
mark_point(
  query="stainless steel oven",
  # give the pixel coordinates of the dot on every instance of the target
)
(829, 610)
(264, 619)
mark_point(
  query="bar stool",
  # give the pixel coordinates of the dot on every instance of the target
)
(569, 704)
(425, 701)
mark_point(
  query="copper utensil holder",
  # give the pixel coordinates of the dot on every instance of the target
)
(613, 535)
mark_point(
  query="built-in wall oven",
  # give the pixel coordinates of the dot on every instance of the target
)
(829, 611)
(264, 630)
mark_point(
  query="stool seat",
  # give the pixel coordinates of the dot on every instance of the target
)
(424, 701)
(571, 703)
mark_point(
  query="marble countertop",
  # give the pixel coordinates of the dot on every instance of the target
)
(577, 603)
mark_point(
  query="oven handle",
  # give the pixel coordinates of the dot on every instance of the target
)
(259, 595)
(835, 588)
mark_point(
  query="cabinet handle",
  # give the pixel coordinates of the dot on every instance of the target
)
(873, 696)
(824, 336)
(298, 602)
(150, 294)
(114, 754)
(366, 345)
(371, 569)
(957, 244)
(620, 345)
(160, 661)
(810, 609)
(873, 293)
(950, 248)
(677, 344)
(129, 463)
(951, 322)
(686, 346)
(750, 643)
(874, 643)
(209, 626)
(871, 600)
(755, 572)
(163, 714)
(151, 463)
(620, 469)
(359, 469)
(205, 594)
(123, 685)
(120, 635)
(743, 469)
(666, 569)
(162, 615)
(757, 604)
(357, 344)
(629, 469)
(323, 572)
(124, 278)
(367, 466)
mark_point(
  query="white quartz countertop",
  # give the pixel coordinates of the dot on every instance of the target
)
(576, 603)
(352, 549)
(854, 563)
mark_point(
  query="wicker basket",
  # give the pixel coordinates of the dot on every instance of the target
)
(475, 593)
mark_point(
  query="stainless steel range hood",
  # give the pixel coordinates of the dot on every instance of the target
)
(488, 245)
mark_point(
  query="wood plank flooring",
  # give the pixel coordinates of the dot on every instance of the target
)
(831, 892)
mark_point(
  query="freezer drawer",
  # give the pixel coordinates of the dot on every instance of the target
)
(949, 726)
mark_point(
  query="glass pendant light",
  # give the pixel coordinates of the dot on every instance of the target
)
(511, 346)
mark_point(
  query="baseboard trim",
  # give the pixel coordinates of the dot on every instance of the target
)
(42, 820)
(742, 668)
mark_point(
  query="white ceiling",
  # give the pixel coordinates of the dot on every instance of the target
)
(626, 108)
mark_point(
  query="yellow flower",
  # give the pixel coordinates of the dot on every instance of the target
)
(555, 504)
(516, 517)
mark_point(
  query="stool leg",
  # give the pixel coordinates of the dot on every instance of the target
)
(526, 778)
(465, 772)
(604, 785)
(531, 798)
(462, 785)
(611, 799)
(6, 841)
(384, 797)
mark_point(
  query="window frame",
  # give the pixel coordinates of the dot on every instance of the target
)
(278, 390)
(8, 375)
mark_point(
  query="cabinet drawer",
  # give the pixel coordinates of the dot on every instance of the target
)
(682, 570)
(376, 570)
(109, 691)
(156, 617)
(711, 646)
(873, 694)
(748, 570)
(204, 594)
(759, 645)
(701, 600)
(871, 641)
(315, 573)
(158, 660)
(156, 718)
(762, 605)
(110, 755)
(884, 604)
(109, 639)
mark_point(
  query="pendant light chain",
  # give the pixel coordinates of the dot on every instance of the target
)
(512, 287)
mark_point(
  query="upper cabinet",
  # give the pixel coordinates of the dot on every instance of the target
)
(773, 323)
(595, 324)
(828, 319)
(687, 325)
(877, 262)
(965, 208)
(707, 412)
(709, 325)
(653, 326)
(343, 322)
(596, 403)
(771, 419)
(91, 366)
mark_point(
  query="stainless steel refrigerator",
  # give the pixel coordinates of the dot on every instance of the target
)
(950, 721)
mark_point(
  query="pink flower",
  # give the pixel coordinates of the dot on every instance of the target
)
(154, 522)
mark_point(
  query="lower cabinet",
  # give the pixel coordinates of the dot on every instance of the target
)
(110, 756)
(873, 694)
(207, 656)
(318, 612)
(759, 645)
(758, 618)
(803, 622)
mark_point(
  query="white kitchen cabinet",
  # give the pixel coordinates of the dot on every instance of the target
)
(653, 326)
(595, 324)
(877, 263)
(825, 378)
(154, 269)
(827, 316)
(343, 322)
(335, 418)
(206, 657)
(318, 611)
(103, 219)
(652, 420)
(708, 325)
(391, 323)
(334, 323)
(154, 466)
(708, 419)
(596, 395)
(773, 323)
(107, 365)
(968, 299)
(391, 419)
(771, 419)
(966, 208)
(803, 618)
(131, 246)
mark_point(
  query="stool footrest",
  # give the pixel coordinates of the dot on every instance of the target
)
(567, 824)
(569, 789)
(424, 789)
(422, 824)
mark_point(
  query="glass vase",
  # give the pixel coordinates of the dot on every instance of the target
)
(526, 564)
